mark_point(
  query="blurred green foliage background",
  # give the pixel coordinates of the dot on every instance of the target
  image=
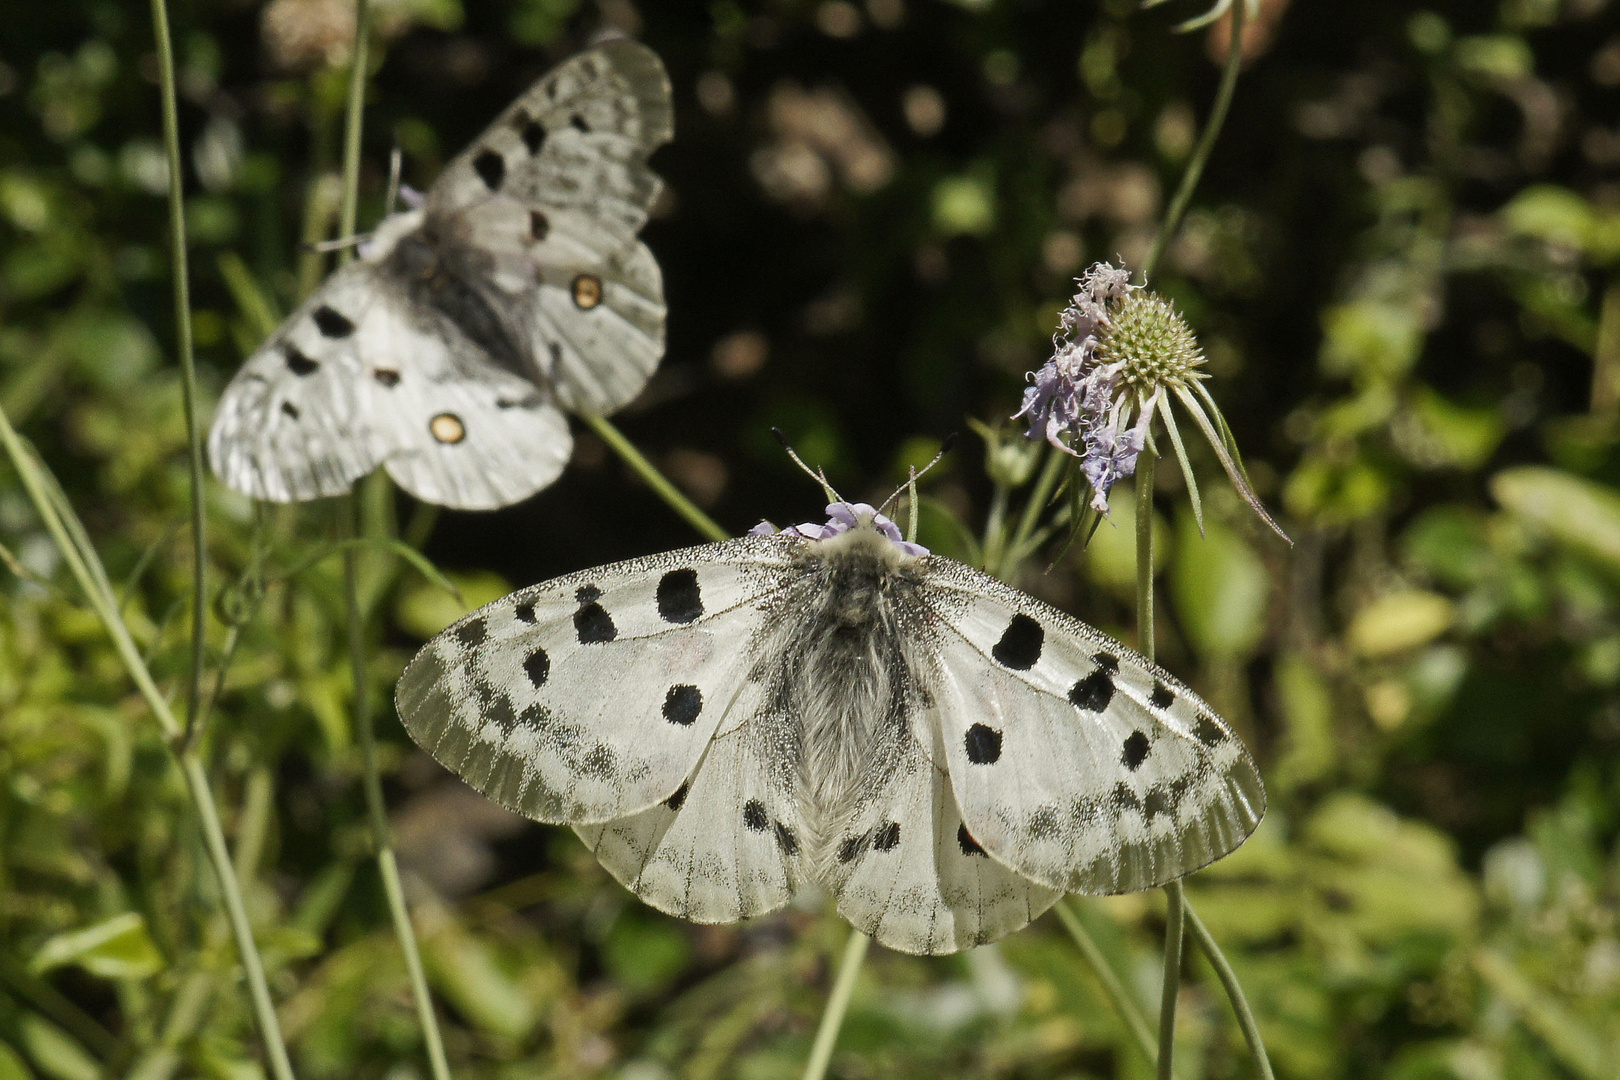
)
(1403, 263)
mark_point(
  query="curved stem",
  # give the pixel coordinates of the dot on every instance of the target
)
(1234, 993)
(1175, 909)
(376, 808)
(59, 520)
(656, 480)
(188, 363)
(1206, 143)
(1129, 1009)
(832, 1018)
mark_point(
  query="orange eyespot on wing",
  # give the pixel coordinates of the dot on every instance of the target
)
(587, 290)
(447, 428)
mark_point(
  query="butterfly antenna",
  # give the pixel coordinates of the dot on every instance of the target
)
(917, 474)
(817, 475)
(339, 244)
(396, 162)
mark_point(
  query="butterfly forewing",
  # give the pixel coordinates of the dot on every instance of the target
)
(594, 696)
(1074, 760)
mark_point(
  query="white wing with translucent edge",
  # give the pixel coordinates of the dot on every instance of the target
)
(594, 696)
(726, 845)
(909, 872)
(360, 375)
(555, 191)
(1075, 761)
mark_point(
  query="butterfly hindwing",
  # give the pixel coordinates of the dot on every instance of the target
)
(1075, 761)
(908, 872)
(725, 845)
(594, 696)
(361, 375)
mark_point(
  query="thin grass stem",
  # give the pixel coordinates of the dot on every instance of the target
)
(1129, 1009)
(1234, 994)
(376, 808)
(188, 362)
(654, 479)
(1175, 910)
(832, 1017)
(85, 565)
(1206, 143)
(1145, 463)
(1051, 469)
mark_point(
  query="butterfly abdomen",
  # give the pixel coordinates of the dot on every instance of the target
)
(851, 684)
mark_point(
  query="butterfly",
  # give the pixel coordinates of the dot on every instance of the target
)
(727, 724)
(517, 289)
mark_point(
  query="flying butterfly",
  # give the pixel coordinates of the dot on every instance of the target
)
(448, 351)
(832, 705)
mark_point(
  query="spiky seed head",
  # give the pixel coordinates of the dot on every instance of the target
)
(1150, 337)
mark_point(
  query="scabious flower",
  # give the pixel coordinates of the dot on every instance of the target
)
(1121, 354)
(842, 517)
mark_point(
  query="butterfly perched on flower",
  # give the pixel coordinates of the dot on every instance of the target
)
(449, 350)
(727, 724)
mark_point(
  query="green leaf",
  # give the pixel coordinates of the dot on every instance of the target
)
(1399, 622)
(425, 609)
(54, 1052)
(1220, 588)
(12, 1066)
(1572, 510)
(115, 948)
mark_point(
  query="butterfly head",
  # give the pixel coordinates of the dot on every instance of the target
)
(843, 519)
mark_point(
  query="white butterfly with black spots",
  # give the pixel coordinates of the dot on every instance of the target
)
(942, 753)
(448, 350)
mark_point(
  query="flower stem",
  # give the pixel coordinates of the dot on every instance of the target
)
(656, 480)
(1234, 993)
(1144, 553)
(1206, 143)
(1129, 1009)
(188, 362)
(1175, 910)
(832, 1017)
(376, 808)
(72, 542)
(1051, 469)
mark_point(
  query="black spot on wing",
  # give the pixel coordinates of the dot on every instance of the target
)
(539, 226)
(682, 704)
(1136, 751)
(679, 599)
(332, 324)
(851, 848)
(1163, 697)
(786, 840)
(887, 837)
(577, 122)
(965, 841)
(674, 801)
(386, 376)
(524, 612)
(538, 666)
(983, 745)
(1157, 802)
(1125, 798)
(587, 594)
(289, 409)
(1020, 644)
(1208, 731)
(594, 625)
(1107, 661)
(297, 362)
(754, 815)
(472, 632)
(1092, 693)
(491, 169)
(533, 135)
